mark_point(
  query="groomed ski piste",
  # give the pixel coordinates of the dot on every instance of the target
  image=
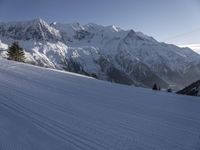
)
(44, 109)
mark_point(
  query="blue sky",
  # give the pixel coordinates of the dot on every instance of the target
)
(172, 21)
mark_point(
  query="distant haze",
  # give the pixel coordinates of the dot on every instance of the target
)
(195, 47)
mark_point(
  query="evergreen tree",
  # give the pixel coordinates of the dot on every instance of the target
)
(155, 87)
(16, 53)
(169, 90)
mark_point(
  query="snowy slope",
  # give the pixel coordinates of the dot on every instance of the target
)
(45, 109)
(105, 52)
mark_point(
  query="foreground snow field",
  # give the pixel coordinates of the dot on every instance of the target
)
(43, 109)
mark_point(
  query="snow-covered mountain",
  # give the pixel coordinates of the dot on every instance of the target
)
(104, 52)
(35, 30)
(45, 109)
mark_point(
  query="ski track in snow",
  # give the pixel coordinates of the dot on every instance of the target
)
(50, 110)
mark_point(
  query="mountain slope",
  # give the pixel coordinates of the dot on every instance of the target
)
(35, 30)
(46, 109)
(104, 52)
(193, 89)
(127, 50)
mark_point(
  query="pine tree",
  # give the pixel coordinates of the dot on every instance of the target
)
(169, 90)
(155, 87)
(16, 53)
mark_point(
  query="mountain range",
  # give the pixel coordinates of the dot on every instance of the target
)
(104, 52)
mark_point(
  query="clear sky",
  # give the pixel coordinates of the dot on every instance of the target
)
(171, 21)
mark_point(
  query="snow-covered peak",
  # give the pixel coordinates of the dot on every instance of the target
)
(54, 23)
(44, 24)
(146, 36)
(36, 29)
(113, 28)
(131, 33)
(92, 27)
(39, 20)
(77, 26)
(67, 27)
(139, 35)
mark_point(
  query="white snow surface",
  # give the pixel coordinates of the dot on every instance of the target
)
(3, 46)
(44, 109)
